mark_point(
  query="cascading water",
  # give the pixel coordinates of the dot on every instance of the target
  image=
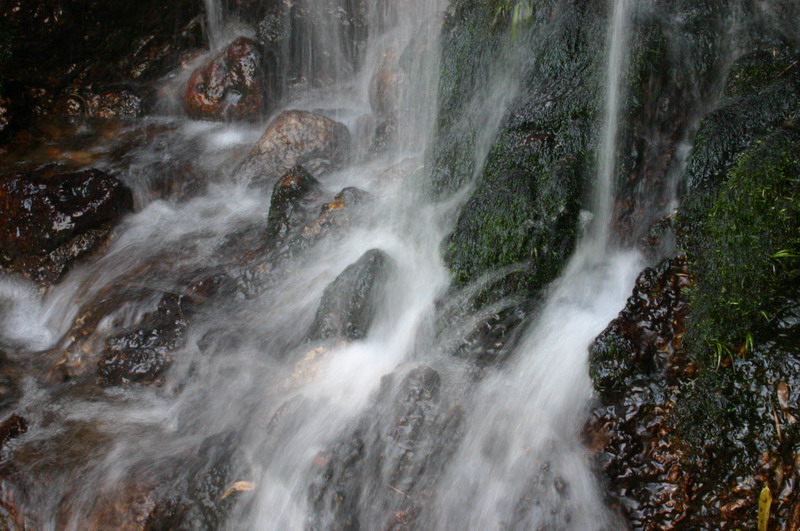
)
(266, 421)
(522, 445)
(214, 23)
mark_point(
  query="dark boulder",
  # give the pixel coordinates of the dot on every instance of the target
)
(51, 50)
(333, 214)
(535, 158)
(51, 221)
(347, 306)
(637, 364)
(296, 138)
(229, 86)
(112, 103)
(12, 427)
(645, 335)
(286, 209)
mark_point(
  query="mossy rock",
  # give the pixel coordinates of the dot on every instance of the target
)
(471, 41)
(728, 131)
(525, 206)
(747, 251)
(755, 71)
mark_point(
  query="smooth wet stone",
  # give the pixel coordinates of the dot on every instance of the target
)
(142, 355)
(293, 138)
(391, 458)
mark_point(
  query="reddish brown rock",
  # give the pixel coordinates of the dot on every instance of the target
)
(296, 138)
(231, 85)
(49, 221)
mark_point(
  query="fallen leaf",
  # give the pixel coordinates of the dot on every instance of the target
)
(239, 486)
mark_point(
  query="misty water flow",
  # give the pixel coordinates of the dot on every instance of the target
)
(523, 434)
(249, 381)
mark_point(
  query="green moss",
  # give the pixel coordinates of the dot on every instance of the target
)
(755, 71)
(747, 251)
(525, 205)
(471, 43)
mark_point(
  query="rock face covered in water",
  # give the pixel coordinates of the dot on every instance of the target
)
(392, 461)
(296, 138)
(49, 221)
(528, 192)
(229, 86)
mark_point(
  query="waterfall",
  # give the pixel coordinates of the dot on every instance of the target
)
(607, 165)
(214, 23)
(523, 436)
(262, 421)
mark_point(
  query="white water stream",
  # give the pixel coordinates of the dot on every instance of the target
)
(522, 427)
(523, 447)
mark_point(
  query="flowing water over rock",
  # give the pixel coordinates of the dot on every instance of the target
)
(272, 338)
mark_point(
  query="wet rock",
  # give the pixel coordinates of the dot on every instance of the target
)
(11, 517)
(124, 509)
(80, 45)
(757, 70)
(286, 206)
(659, 240)
(685, 446)
(492, 339)
(636, 364)
(334, 214)
(111, 103)
(313, 141)
(314, 62)
(392, 459)
(198, 499)
(735, 126)
(9, 391)
(386, 84)
(122, 103)
(5, 115)
(141, 355)
(386, 90)
(527, 197)
(646, 335)
(12, 427)
(51, 221)
(229, 86)
(347, 306)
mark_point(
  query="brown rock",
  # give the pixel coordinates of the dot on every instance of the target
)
(231, 85)
(296, 138)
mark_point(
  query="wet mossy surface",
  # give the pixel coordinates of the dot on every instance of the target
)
(747, 252)
(707, 422)
(527, 197)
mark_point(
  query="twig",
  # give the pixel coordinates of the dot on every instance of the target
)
(788, 68)
(398, 491)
